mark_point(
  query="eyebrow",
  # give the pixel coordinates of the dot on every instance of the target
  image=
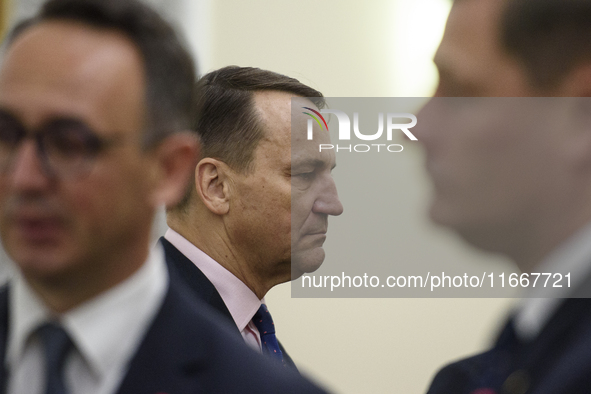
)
(17, 116)
(316, 163)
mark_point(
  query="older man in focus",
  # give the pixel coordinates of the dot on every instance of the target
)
(257, 214)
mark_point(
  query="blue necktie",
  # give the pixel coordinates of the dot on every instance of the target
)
(264, 323)
(56, 344)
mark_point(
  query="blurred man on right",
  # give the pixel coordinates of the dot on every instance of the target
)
(517, 188)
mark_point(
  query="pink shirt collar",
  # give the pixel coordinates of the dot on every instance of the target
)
(239, 299)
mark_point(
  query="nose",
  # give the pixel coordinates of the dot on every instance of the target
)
(26, 172)
(328, 202)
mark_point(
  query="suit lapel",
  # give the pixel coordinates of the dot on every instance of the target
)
(171, 354)
(566, 324)
(565, 341)
(194, 278)
(198, 283)
(288, 361)
(560, 348)
(570, 371)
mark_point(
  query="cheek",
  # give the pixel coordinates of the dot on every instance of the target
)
(277, 210)
(480, 152)
(301, 211)
(91, 206)
(271, 200)
(4, 221)
(106, 201)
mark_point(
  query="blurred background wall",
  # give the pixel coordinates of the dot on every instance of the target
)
(351, 49)
(4, 12)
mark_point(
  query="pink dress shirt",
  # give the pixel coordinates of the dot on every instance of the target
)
(239, 299)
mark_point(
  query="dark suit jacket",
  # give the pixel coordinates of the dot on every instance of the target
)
(187, 350)
(557, 361)
(203, 288)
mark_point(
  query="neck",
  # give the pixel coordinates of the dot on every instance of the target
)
(216, 243)
(531, 252)
(65, 291)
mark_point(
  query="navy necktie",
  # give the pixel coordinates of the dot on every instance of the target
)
(264, 323)
(56, 344)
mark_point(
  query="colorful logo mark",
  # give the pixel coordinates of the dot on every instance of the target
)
(315, 118)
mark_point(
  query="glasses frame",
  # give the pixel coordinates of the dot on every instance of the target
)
(94, 145)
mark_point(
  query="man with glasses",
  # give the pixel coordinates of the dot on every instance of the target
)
(95, 96)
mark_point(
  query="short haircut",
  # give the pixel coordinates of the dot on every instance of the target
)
(550, 37)
(227, 121)
(170, 70)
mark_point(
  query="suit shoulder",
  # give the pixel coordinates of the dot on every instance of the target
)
(456, 376)
(189, 348)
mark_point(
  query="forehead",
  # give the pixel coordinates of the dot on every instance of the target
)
(62, 67)
(471, 32)
(286, 131)
(470, 52)
(274, 111)
(273, 108)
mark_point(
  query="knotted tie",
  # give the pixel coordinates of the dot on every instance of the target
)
(56, 344)
(264, 323)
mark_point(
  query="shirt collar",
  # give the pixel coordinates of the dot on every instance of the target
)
(241, 301)
(27, 312)
(123, 312)
(574, 257)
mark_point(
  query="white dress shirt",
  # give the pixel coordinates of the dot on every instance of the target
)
(106, 332)
(574, 256)
(242, 303)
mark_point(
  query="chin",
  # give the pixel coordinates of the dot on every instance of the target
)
(489, 239)
(481, 234)
(436, 214)
(448, 215)
(306, 261)
(41, 263)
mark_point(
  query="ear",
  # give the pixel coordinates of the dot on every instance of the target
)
(176, 157)
(213, 185)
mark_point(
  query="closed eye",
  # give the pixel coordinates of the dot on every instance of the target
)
(305, 175)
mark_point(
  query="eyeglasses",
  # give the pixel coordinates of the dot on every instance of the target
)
(67, 147)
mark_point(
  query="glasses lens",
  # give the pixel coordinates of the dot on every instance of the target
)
(69, 147)
(11, 134)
